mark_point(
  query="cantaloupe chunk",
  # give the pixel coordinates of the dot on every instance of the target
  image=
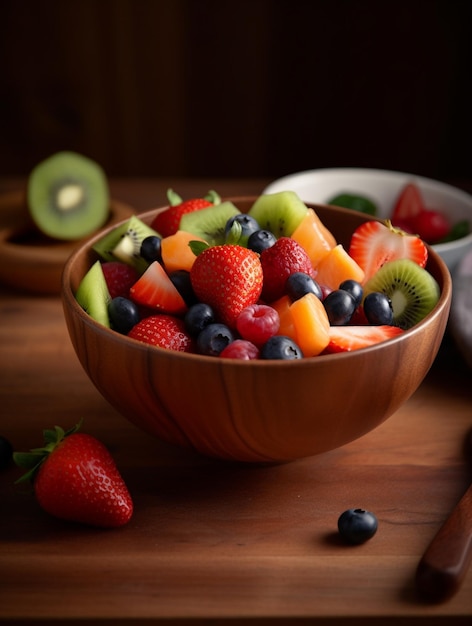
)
(336, 267)
(176, 253)
(282, 306)
(311, 324)
(314, 237)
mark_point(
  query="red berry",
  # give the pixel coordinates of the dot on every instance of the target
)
(240, 349)
(285, 257)
(75, 478)
(165, 331)
(228, 278)
(119, 278)
(431, 225)
(167, 222)
(257, 323)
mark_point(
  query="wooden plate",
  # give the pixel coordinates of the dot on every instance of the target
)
(30, 261)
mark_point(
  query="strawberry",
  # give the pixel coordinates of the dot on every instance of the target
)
(155, 289)
(76, 479)
(165, 331)
(119, 277)
(408, 206)
(347, 338)
(278, 262)
(167, 222)
(374, 243)
(228, 278)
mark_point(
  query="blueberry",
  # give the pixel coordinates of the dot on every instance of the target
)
(299, 284)
(248, 226)
(183, 284)
(123, 313)
(354, 288)
(214, 338)
(357, 526)
(198, 316)
(151, 249)
(340, 306)
(378, 309)
(281, 347)
(261, 240)
(6, 453)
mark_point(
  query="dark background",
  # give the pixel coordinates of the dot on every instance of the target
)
(241, 88)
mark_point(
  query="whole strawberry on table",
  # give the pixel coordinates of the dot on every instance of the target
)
(75, 478)
(269, 283)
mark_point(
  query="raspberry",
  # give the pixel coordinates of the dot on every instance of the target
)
(257, 323)
(240, 349)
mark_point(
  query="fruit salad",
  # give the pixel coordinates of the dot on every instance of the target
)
(271, 283)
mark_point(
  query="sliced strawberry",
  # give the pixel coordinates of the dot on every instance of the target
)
(348, 338)
(167, 222)
(120, 277)
(408, 205)
(374, 243)
(165, 331)
(156, 290)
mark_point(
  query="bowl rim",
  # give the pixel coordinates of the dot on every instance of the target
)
(69, 300)
(442, 248)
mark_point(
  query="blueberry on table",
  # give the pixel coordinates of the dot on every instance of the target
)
(6, 453)
(357, 525)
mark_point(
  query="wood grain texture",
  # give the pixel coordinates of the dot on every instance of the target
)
(214, 541)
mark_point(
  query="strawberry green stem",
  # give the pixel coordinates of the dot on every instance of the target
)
(31, 461)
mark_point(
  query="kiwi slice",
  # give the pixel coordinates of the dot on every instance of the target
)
(68, 196)
(412, 290)
(280, 212)
(93, 295)
(209, 223)
(123, 243)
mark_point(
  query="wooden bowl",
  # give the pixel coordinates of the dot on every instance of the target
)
(255, 411)
(30, 261)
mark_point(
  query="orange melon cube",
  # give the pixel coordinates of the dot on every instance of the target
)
(282, 306)
(314, 237)
(336, 267)
(176, 253)
(311, 324)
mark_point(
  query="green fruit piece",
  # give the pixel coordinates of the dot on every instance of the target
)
(123, 243)
(280, 212)
(412, 290)
(209, 223)
(354, 202)
(93, 295)
(68, 196)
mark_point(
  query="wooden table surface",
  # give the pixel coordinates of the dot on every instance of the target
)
(213, 541)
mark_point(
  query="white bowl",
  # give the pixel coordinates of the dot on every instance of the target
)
(383, 187)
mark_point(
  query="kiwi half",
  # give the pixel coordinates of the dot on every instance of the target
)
(209, 223)
(280, 212)
(412, 290)
(68, 196)
(123, 243)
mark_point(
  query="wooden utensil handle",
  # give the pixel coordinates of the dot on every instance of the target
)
(444, 565)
